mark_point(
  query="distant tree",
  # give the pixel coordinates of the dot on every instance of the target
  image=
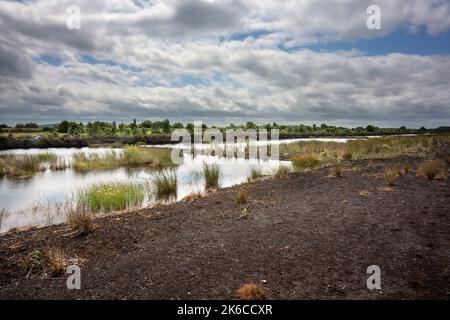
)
(190, 127)
(114, 128)
(3, 126)
(20, 126)
(371, 128)
(146, 124)
(165, 125)
(251, 125)
(31, 125)
(178, 125)
(63, 127)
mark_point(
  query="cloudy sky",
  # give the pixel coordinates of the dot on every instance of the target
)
(221, 61)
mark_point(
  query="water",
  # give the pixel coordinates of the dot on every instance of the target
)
(43, 199)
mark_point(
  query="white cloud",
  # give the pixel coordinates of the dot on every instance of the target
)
(166, 40)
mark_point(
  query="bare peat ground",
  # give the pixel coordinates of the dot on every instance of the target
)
(307, 236)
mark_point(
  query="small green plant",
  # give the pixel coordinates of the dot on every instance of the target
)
(165, 183)
(245, 213)
(282, 172)
(211, 173)
(88, 162)
(241, 196)
(431, 169)
(111, 197)
(390, 175)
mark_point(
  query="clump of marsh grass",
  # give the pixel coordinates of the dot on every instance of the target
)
(250, 291)
(193, 197)
(255, 173)
(241, 196)
(57, 260)
(165, 183)
(211, 172)
(23, 166)
(2, 216)
(336, 171)
(158, 157)
(110, 197)
(432, 169)
(390, 175)
(346, 155)
(89, 162)
(282, 172)
(81, 222)
(52, 261)
(407, 167)
(131, 156)
(306, 161)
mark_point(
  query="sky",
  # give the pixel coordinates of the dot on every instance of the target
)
(222, 61)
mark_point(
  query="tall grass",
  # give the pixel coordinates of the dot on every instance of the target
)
(373, 148)
(2, 216)
(211, 172)
(255, 173)
(88, 162)
(241, 196)
(131, 156)
(25, 165)
(110, 197)
(306, 161)
(81, 222)
(282, 172)
(165, 183)
(432, 169)
(391, 175)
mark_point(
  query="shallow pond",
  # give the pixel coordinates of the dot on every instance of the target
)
(41, 200)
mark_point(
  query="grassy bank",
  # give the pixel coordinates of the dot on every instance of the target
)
(313, 154)
(111, 197)
(23, 166)
(131, 156)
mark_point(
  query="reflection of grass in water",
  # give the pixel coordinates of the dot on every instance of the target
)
(111, 197)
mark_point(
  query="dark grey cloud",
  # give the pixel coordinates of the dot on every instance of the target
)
(14, 64)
